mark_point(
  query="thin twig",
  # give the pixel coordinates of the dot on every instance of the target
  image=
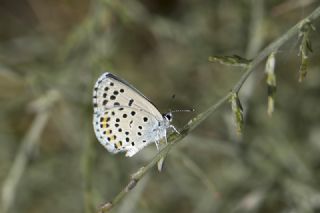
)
(133, 199)
(193, 123)
(28, 144)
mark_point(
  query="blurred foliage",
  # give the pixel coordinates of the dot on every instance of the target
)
(51, 53)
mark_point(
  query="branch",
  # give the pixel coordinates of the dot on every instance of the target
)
(174, 138)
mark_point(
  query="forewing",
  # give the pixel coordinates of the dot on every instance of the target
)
(125, 129)
(111, 91)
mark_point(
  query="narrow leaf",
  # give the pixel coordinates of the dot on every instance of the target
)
(234, 60)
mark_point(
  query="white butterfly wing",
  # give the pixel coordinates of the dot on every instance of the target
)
(110, 91)
(126, 129)
(124, 119)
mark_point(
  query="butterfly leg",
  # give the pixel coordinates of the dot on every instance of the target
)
(165, 139)
(157, 144)
(171, 126)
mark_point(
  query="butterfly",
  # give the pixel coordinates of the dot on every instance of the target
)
(124, 119)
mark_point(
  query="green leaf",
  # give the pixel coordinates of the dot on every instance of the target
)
(234, 60)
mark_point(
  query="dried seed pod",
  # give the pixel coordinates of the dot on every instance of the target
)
(237, 112)
(271, 82)
(305, 48)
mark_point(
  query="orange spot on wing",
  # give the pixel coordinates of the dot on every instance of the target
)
(104, 122)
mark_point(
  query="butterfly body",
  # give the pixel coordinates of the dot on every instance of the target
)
(124, 119)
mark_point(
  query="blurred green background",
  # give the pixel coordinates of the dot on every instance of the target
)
(51, 53)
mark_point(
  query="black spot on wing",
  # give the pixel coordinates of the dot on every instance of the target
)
(130, 102)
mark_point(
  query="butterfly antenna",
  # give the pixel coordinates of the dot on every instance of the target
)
(178, 110)
(182, 110)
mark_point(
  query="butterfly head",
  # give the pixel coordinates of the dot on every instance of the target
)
(168, 116)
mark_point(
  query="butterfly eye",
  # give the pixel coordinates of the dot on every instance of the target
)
(168, 116)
